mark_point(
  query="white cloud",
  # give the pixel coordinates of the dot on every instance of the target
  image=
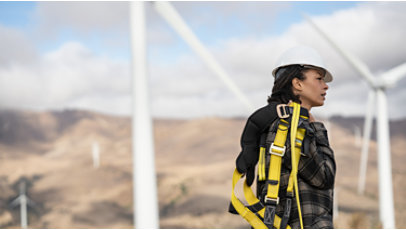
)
(67, 77)
(242, 16)
(83, 17)
(15, 47)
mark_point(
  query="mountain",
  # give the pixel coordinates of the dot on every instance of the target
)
(52, 151)
(396, 127)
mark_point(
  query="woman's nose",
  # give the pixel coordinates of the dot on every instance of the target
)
(325, 86)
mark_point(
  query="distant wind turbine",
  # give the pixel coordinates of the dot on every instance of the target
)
(357, 135)
(144, 175)
(23, 201)
(327, 123)
(96, 154)
(378, 88)
(335, 203)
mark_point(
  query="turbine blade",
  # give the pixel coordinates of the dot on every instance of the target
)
(30, 202)
(356, 63)
(169, 13)
(15, 202)
(395, 74)
(366, 139)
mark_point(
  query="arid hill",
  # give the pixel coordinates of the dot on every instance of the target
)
(52, 151)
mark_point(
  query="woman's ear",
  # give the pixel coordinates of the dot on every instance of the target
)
(296, 85)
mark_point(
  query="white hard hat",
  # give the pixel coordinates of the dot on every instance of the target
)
(302, 55)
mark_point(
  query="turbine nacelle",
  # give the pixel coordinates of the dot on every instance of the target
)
(381, 83)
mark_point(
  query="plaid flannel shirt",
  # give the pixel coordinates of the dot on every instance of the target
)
(316, 173)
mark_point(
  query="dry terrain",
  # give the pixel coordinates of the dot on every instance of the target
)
(52, 151)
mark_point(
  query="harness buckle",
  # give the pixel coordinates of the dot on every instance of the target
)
(276, 150)
(281, 111)
(271, 201)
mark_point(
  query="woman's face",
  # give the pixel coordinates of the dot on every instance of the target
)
(312, 90)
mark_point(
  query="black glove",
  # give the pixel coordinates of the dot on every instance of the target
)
(256, 124)
(246, 162)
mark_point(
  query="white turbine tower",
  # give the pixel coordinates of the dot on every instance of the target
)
(378, 87)
(96, 154)
(357, 135)
(144, 176)
(23, 201)
(365, 144)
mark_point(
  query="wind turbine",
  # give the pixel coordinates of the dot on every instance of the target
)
(23, 201)
(378, 89)
(144, 176)
(357, 135)
(96, 154)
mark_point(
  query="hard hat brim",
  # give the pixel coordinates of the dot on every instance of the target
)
(328, 77)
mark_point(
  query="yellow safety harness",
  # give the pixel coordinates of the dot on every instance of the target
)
(266, 211)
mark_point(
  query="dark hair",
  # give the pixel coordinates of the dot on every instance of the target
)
(282, 89)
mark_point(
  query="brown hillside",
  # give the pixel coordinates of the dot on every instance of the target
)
(194, 162)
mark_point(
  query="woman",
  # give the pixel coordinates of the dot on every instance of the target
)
(300, 77)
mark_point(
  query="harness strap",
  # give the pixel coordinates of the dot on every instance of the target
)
(294, 156)
(261, 164)
(244, 211)
(286, 213)
(251, 198)
(298, 146)
(277, 151)
(247, 214)
(289, 191)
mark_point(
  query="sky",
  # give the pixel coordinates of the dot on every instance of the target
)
(76, 55)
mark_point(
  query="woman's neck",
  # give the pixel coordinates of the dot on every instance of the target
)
(307, 106)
